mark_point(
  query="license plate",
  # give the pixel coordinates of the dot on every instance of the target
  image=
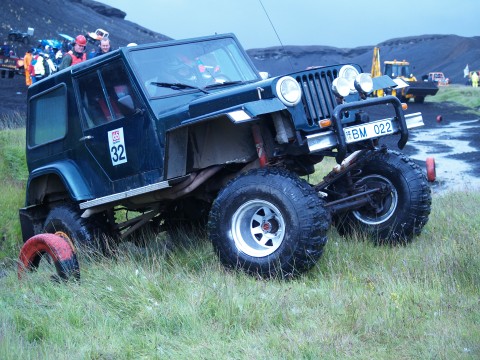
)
(368, 131)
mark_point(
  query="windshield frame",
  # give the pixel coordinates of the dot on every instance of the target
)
(196, 63)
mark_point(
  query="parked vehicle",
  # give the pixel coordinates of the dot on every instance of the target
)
(11, 65)
(414, 89)
(97, 35)
(23, 37)
(187, 133)
(438, 78)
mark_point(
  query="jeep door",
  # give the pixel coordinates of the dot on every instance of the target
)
(117, 131)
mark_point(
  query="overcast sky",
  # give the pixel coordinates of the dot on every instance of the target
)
(343, 24)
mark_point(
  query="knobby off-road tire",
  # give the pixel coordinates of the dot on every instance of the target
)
(398, 216)
(54, 249)
(268, 222)
(84, 234)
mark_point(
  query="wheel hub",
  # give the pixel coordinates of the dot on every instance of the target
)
(382, 205)
(270, 226)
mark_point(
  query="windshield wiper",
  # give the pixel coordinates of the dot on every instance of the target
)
(223, 84)
(177, 86)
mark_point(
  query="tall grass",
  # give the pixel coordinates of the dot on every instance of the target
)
(14, 174)
(361, 301)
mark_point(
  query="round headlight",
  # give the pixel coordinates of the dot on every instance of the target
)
(341, 87)
(289, 91)
(364, 83)
(349, 73)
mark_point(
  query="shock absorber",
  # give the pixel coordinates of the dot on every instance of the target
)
(257, 137)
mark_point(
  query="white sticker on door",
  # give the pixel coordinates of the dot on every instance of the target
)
(116, 143)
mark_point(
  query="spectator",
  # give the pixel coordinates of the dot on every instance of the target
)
(27, 61)
(50, 66)
(92, 53)
(76, 55)
(104, 47)
(5, 49)
(474, 79)
(58, 57)
(48, 50)
(39, 66)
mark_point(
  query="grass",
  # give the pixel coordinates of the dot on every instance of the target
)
(464, 95)
(361, 301)
(13, 176)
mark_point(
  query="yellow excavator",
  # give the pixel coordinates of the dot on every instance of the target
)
(416, 90)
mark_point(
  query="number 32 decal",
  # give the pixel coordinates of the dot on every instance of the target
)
(116, 143)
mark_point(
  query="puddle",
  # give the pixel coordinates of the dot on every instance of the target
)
(440, 143)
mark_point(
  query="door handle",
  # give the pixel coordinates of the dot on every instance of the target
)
(85, 138)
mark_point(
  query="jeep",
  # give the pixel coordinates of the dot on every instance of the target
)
(189, 133)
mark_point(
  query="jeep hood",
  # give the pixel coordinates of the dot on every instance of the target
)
(255, 98)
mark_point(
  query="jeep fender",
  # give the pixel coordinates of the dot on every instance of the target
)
(61, 176)
(239, 113)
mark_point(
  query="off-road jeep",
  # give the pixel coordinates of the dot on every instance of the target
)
(189, 132)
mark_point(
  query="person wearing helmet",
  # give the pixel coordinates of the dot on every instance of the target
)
(76, 55)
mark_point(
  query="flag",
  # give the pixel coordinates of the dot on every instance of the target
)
(466, 71)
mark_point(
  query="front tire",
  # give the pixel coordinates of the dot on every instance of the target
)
(269, 222)
(397, 215)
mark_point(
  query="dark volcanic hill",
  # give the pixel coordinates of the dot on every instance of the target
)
(446, 53)
(71, 17)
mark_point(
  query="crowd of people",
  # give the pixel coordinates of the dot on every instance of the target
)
(42, 61)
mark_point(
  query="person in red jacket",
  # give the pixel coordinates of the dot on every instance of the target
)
(76, 55)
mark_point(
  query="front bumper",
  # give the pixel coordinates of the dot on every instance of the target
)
(335, 138)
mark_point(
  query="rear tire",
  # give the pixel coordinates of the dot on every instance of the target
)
(269, 222)
(397, 216)
(84, 234)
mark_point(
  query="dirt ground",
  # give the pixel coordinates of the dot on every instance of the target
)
(13, 95)
(454, 142)
(451, 137)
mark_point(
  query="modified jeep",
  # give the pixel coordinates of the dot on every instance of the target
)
(189, 132)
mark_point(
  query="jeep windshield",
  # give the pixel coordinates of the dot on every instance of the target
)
(209, 63)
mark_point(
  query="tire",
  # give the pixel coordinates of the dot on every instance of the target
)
(419, 99)
(86, 234)
(54, 249)
(400, 214)
(431, 169)
(268, 222)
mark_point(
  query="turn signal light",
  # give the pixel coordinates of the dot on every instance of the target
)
(404, 106)
(325, 123)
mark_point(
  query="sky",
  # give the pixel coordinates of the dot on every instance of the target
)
(340, 23)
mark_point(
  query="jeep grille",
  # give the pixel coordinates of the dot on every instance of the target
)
(318, 98)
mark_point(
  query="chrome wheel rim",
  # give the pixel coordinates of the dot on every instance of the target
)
(258, 228)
